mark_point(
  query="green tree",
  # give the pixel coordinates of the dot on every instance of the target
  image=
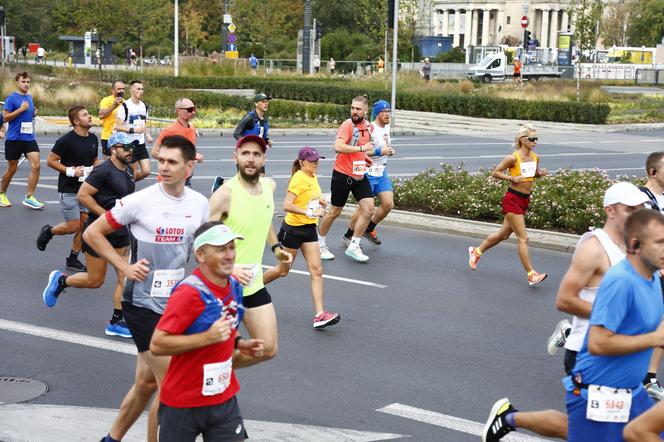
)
(646, 24)
(586, 13)
(29, 21)
(614, 22)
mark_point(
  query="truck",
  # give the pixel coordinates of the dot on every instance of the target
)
(494, 68)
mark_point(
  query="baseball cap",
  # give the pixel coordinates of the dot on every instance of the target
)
(217, 235)
(381, 105)
(624, 193)
(118, 138)
(308, 153)
(260, 97)
(254, 138)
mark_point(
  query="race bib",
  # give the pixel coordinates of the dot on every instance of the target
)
(376, 170)
(254, 272)
(312, 206)
(139, 123)
(163, 282)
(217, 377)
(608, 404)
(86, 172)
(528, 169)
(359, 167)
(26, 128)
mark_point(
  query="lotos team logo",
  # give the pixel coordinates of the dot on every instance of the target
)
(169, 234)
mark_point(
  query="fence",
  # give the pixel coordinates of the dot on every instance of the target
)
(614, 71)
(649, 76)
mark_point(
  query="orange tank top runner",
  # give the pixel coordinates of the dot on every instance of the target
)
(517, 66)
(525, 169)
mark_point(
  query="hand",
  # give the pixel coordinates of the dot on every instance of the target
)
(2, 134)
(318, 212)
(220, 331)
(367, 147)
(25, 106)
(137, 271)
(388, 150)
(251, 347)
(79, 171)
(322, 202)
(544, 172)
(148, 137)
(36, 112)
(118, 101)
(199, 158)
(368, 160)
(516, 179)
(243, 273)
(283, 255)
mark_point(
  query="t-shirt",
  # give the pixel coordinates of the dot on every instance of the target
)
(184, 381)
(178, 129)
(251, 124)
(75, 150)
(354, 163)
(161, 229)
(108, 123)
(20, 128)
(306, 189)
(138, 116)
(626, 304)
(381, 138)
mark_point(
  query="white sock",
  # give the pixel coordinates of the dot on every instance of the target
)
(321, 240)
(355, 240)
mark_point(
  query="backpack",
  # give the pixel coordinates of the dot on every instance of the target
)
(126, 109)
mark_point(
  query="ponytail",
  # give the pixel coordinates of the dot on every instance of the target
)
(296, 166)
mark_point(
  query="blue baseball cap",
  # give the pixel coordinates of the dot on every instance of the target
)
(118, 138)
(381, 105)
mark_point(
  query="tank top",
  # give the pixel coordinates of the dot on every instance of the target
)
(525, 169)
(251, 217)
(580, 325)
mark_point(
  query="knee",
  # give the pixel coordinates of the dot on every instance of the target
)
(387, 205)
(367, 208)
(35, 167)
(145, 387)
(524, 239)
(73, 226)
(505, 236)
(94, 282)
(316, 271)
(334, 211)
(633, 433)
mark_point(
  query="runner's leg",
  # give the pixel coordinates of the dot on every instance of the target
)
(145, 168)
(158, 365)
(366, 207)
(497, 237)
(12, 166)
(549, 423)
(386, 205)
(647, 427)
(328, 219)
(93, 278)
(33, 178)
(261, 323)
(518, 224)
(311, 253)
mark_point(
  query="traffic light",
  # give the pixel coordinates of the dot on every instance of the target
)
(319, 30)
(526, 38)
(390, 14)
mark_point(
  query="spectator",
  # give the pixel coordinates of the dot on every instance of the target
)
(332, 65)
(316, 64)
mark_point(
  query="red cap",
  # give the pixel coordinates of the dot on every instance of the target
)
(255, 138)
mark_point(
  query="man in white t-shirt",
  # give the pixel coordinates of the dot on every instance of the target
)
(381, 184)
(132, 118)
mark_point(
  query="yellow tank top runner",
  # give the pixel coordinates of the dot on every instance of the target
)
(525, 169)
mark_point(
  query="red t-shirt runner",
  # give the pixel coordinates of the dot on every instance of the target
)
(352, 164)
(178, 129)
(184, 381)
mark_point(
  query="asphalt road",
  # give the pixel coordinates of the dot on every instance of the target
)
(418, 328)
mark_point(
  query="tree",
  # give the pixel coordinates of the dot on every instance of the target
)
(30, 22)
(646, 27)
(586, 15)
(614, 24)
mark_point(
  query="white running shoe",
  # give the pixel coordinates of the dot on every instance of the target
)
(355, 252)
(325, 253)
(559, 337)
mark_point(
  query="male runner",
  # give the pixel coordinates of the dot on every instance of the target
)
(108, 110)
(352, 146)
(381, 184)
(245, 203)
(161, 220)
(199, 329)
(596, 252)
(110, 181)
(132, 118)
(19, 111)
(73, 156)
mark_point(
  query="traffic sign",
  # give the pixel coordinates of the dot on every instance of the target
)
(231, 27)
(524, 22)
(231, 38)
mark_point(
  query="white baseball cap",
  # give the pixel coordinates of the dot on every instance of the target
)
(624, 193)
(217, 235)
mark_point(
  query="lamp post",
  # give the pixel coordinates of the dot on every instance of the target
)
(176, 42)
(395, 35)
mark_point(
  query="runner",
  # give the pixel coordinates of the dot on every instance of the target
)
(199, 329)
(596, 252)
(108, 182)
(108, 109)
(523, 167)
(352, 146)
(73, 156)
(19, 111)
(381, 184)
(132, 118)
(161, 220)
(245, 203)
(304, 205)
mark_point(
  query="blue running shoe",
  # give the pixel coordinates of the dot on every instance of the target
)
(118, 329)
(53, 288)
(218, 182)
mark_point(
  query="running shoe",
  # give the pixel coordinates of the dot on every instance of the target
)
(32, 202)
(218, 182)
(559, 337)
(53, 288)
(372, 237)
(325, 253)
(496, 426)
(44, 237)
(4, 201)
(325, 319)
(118, 329)
(76, 265)
(355, 252)
(345, 240)
(473, 258)
(654, 389)
(535, 278)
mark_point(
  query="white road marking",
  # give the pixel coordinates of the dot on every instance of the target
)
(337, 278)
(450, 422)
(43, 423)
(44, 186)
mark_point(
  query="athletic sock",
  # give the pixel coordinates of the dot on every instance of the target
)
(477, 251)
(108, 438)
(73, 255)
(117, 316)
(649, 377)
(371, 227)
(531, 272)
(348, 234)
(62, 282)
(510, 418)
(321, 240)
(355, 240)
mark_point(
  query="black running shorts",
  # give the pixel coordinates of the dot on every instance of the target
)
(342, 185)
(141, 322)
(293, 236)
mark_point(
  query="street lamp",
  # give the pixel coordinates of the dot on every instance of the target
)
(176, 42)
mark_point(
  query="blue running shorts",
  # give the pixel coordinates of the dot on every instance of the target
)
(380, 184)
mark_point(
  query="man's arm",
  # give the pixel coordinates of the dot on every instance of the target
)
(588, 261)
(499, 171)
(166, 344)
(53, 161)
(86, 197)
(10, 116)
(272, 239)
(220, 204)
(602, 341)
(242, 126)
(341, 147)
(105, 112)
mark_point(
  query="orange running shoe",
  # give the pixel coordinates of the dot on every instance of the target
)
(473, 258)
(535, 278)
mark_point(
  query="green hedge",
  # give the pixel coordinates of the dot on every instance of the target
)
(554, 205)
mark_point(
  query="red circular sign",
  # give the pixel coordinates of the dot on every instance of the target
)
(524, 22)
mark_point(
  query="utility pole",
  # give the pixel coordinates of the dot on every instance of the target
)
(176, 42)
(2, 35)
(306, 39)
(393, 102)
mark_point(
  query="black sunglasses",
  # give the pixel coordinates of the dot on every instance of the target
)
(533, 139)
(127, 147)
(188, 109)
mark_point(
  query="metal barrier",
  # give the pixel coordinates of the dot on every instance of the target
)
(649, 76)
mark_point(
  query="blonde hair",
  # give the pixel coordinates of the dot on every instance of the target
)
(524, 131)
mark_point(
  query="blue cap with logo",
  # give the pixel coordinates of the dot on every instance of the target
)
(118, 138)
(378, 107)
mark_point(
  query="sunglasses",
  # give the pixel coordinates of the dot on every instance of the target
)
(188, 109)
(532, 139)
(127, 147)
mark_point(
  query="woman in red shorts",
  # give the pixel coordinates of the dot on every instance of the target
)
(522, 167)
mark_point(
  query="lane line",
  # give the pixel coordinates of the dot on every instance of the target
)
(65, 336)
(338, 278)
(450, 422)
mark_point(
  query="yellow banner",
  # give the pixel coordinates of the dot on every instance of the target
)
(564, 41)
(232, 54)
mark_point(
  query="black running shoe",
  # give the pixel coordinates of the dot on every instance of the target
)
(44, 237)
(496, 426)
(76, 265)
(372, 237)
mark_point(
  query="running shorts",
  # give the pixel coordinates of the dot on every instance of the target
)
(293, 236)
(141, 322)
(380, 184)
(515, 202)
(139, 153)
(105, 149)
(261, 297)
(14, 149)
(569, 361)
(342, 185)
(70, 208)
